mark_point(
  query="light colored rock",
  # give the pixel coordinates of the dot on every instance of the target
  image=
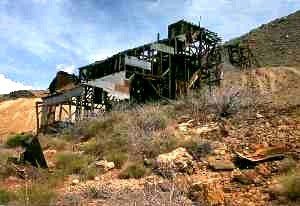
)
(259, 116)
(207, 128)
(177, 161)
(220, 164)
(75, 182)
(105, 165)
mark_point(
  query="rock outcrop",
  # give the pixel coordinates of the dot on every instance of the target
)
(177, 161)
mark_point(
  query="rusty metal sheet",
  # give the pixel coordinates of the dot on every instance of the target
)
(264, 154)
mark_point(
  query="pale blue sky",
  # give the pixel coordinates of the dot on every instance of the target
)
(39, 37)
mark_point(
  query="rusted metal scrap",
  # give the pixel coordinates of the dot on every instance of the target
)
(260, 155)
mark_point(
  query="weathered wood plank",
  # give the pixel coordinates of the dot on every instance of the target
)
(135, 62)
(163, 48)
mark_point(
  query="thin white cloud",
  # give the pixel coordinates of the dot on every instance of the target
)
(7, 85)
(102, 54)
(66, 68)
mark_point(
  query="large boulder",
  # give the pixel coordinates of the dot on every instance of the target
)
(177, 161)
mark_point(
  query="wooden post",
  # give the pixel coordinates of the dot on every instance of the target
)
(60, 112)
(37, 117)
(70, 111)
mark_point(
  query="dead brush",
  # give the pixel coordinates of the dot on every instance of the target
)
(226, 101)
(166, 193)
(99, 192)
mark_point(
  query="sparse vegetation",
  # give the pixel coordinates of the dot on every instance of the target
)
(198, 149)
(17, 140)
(134, 170)
(75, 163)
(291, 185)
(35, 194)
(226, 101)
(57, 143)
(5, 196)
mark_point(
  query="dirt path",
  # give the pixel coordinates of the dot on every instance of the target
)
(17, 116)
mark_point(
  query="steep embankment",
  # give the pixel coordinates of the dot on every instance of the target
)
(283, 83)
(17, 116)
(276, 43)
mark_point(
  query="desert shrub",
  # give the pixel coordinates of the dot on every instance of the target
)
(17, 140)
(35, 194)
(167, 193)
(291, 185)
(119, 158)
(163, 143)
(287, 165)
(196, 148)
(99, 192)
(7, 170)
(5, 196)
(4, 155)
(102, 125)
(89, 172)
(226, 101)
(195, 104)
(150, 119)
(111, 140)
(72, 199)
(134, 170)
(73, 163)
(57, 143)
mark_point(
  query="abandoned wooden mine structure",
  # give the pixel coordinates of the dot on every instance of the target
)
(240, 54)
(189, 58)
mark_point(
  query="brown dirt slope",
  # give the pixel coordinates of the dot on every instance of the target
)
(17, 116)
(276, 43)
(280, 83)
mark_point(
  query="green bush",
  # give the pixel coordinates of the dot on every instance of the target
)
(36, 194)
(134, 170)
(73, 163)
(17, 140)
(291, 185)
(119, 158)
(6, 171)
(89, 172)
(163, 143)
(4, 155)
(110, 139)
(196, 148)
(5, 196)
(102, 125)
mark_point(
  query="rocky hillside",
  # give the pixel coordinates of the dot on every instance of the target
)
(23, 94)
(276, 43)
(17, 115)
